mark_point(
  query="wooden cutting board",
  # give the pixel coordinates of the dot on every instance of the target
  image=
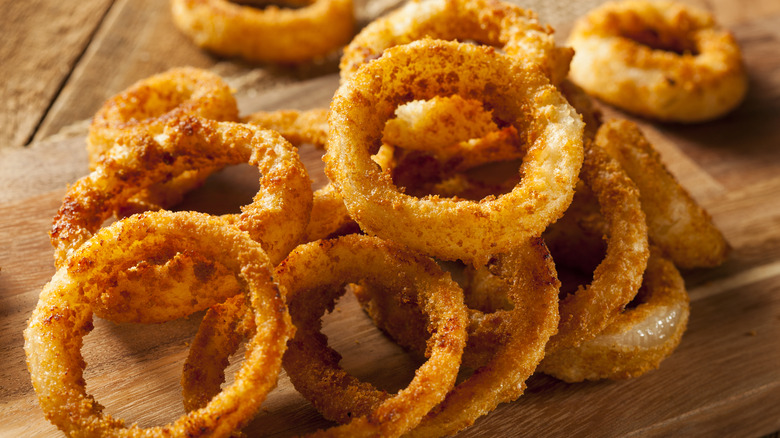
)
(724, 379)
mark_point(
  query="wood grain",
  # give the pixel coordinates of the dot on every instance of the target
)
(42, 40)
(724, 380)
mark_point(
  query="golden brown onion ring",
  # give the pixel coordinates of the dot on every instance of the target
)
(416, 123)
(500, 24)
(152, 102)
(445, 228)
(676, 222)
(637, 340)
(314, 276)
(616, 280)
(660, 59)
(271, 34)
(63, 316)
(277, 218)
(147, 106)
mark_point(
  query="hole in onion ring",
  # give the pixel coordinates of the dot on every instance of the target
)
(373, 357)
(657, 39)
(280, 4)
(224, 191)
(140, 345)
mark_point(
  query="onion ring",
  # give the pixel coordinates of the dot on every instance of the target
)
(662, 60)
(268, 35)
(145, 107)
(54, 336)
(314, 276)
(277, 218)
(445, 228)
(637, 340)
(676, 222)
(416, 123)
(505, 345)
(151, 102)
(500, 24)
(616, 280)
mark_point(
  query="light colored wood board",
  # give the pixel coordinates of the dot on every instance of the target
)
(42, 40)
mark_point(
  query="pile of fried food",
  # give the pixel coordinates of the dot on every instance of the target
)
(480, 161)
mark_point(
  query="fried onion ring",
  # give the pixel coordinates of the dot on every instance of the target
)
(445, 228)
(500, 24)
(676, 222)
(662, 60)
(637, 340)
(63, 316)
(151, 102)
(148, 105)
(277, 217)
(616, 280)
(272, 34)
(314, 276)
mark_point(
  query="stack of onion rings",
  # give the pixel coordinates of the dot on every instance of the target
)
(313, 367)
(505, 135)
(63, 316)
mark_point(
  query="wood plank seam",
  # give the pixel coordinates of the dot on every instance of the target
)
(67, 77)
(661, 425)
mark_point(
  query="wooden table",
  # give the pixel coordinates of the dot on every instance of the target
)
(61, 60)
